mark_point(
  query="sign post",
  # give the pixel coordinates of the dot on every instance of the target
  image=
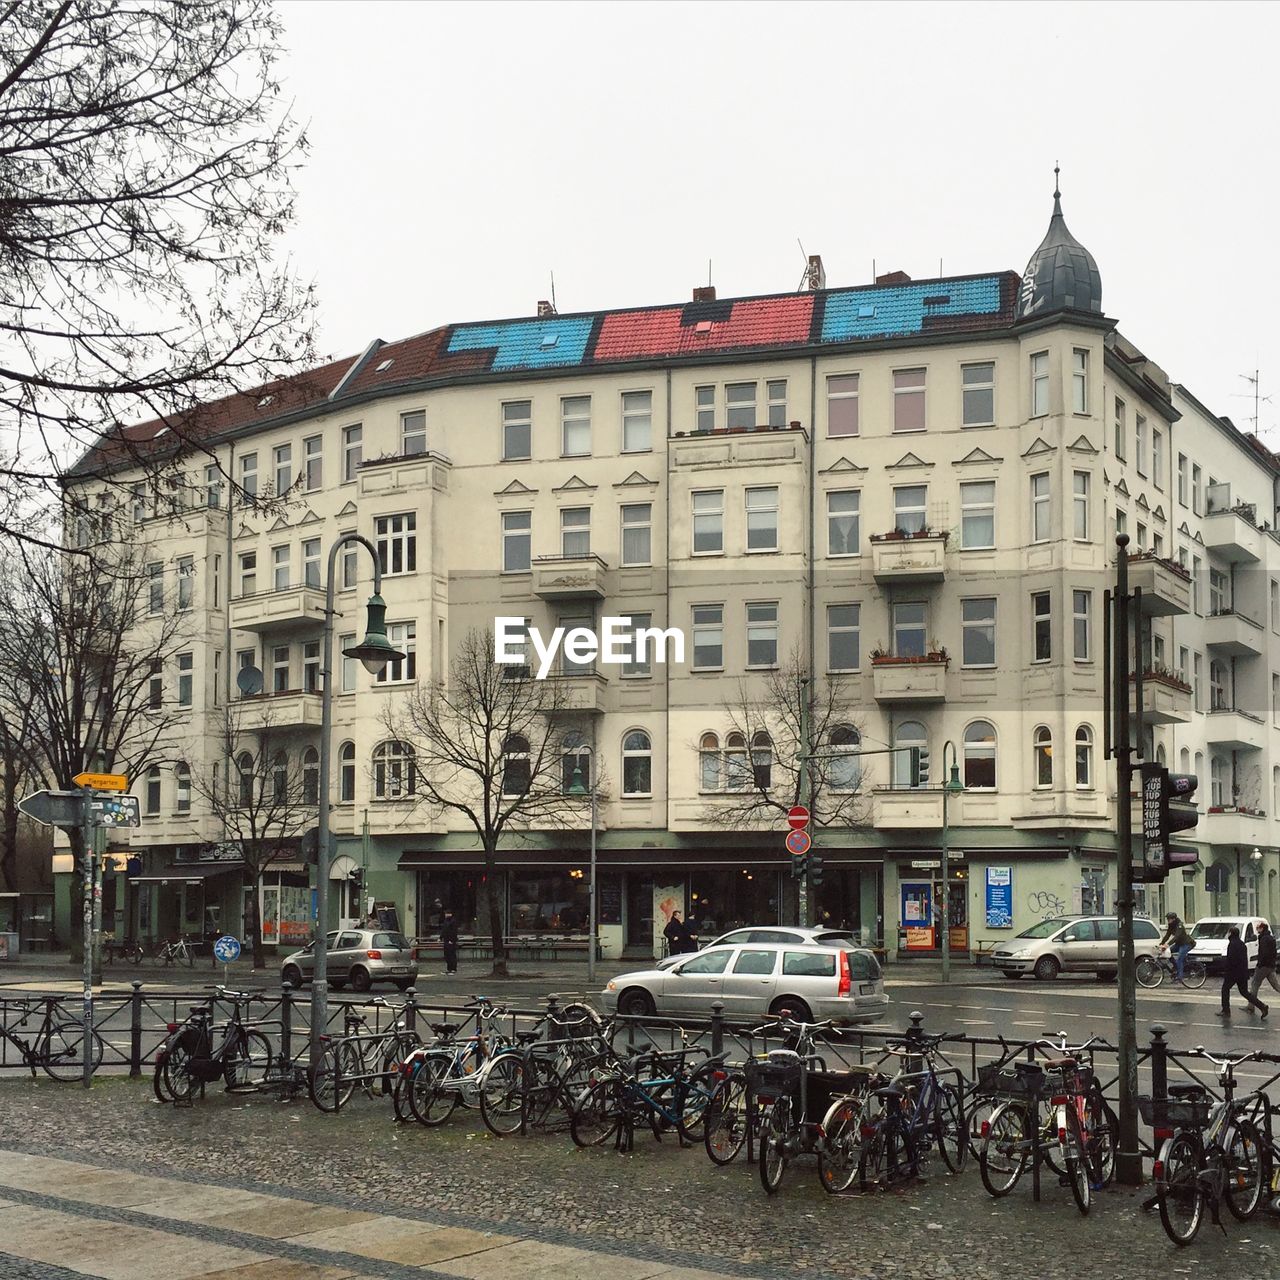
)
(225, 950)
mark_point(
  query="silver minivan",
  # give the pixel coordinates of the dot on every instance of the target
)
(1072, 944)
(806, 982)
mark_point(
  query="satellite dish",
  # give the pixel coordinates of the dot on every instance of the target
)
(249, 681)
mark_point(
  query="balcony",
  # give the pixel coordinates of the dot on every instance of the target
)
(569, 577)
(290, 609)
(1231, 532)
(1233, 633)
(577, 693)
(910, 679)
(292, 709)
(1165, 698)
(906, 808)
(1165, 585)
(909, 558)
(1234, 729)
(1231, 824)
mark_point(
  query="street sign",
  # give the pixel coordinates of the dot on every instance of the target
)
(797, 817)
(798, 842)
(102, 781)
(226, 949)
(53, 808)
(926, 864)
(115, 811)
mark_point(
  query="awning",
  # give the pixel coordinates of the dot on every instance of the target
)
(189, 872)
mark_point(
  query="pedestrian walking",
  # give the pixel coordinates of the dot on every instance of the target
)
(1266, 968)
(1178, 940)
(1237, 975)
(449, 941)
(679, 939)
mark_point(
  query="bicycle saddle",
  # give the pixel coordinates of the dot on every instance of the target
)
(1028, 1068)
(527, 1037)
(444, 1028)
(1059, 1064)
(888, 1091)
(1187, 1091)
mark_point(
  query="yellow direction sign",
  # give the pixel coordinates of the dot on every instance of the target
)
(102, 781)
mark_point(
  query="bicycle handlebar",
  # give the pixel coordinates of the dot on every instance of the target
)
(1201, 1052)
(1061, 1045)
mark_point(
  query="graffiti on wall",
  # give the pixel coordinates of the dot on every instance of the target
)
(1046, 905)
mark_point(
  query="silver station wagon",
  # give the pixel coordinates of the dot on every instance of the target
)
(809, 983)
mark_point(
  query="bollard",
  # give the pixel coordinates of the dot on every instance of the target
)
(411, 1010)
(286, 1023)
(717, 1027)
(135, 1030)
(556, 1031)
(1159, 1062)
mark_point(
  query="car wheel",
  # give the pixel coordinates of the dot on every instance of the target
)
(636, 1003)
(791, 1007)
(292, 975)
(1047, 968)
(403, 984)
(360, 980)
(1011, 973)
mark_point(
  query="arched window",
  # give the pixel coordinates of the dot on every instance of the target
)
(182, 780)
(637, 763)
(910, 733)
(844, 770)
(279, 777)
(1219, 782)
(1084, 758)
(516, 775)
(1184, 760)
(1042, 751)
(311, 776)
(1199, 770)
(762, 761)
(980, 756)
(1161, 756)
(736, 775)
(394, 777)
(575, 763)
(347, 773)
(709, 763)
(244, 766)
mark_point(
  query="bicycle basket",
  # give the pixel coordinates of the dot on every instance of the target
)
(1175, 1113)
(773, 1079)
(1007, 1083)
(823, 1087)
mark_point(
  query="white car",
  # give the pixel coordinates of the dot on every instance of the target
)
(1210, 938)
(804, 936)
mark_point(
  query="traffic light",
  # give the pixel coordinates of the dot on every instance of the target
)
(919, 766)
(1168, 805)
(357, 879)
(815, 868)
(799, 864)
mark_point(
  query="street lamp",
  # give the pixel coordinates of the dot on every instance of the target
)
(952, 787)
(374, 651)
(577, 788)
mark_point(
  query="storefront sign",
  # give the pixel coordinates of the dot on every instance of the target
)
(919, 939)
(999, 897)
(959, 937)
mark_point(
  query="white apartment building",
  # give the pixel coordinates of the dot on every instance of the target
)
(915, 482)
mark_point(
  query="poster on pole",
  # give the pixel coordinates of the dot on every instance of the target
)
(999, 897)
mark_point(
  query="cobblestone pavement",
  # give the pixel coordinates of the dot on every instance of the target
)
(659, 1203)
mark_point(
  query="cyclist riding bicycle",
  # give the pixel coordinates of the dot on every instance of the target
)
(1178, 940)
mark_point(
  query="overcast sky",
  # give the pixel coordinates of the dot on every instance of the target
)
(463, 153)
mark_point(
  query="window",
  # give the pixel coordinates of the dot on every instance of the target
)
(1182, 479)
(517, 534)
(1275, 699)
(1041, 627)
(776, 390)
(182, 788)
(1275, 605)
(978, 632)
(709, 763)
(708, 522)
(909, 508)
(352, 451)
(1140, 443)
(347, 773)
(762, 518)
(1219, 591)
(978, 394)
(740, 404)
(1084, 758)
(843, 522)
(413, 432)
(403, 636)
(244, 767)
(217, 677)
(637, 763)
(1079, 381)
(248, 572)
(908, 400)
(310, 776)
(212, 487)
(249, 475)
(637, 421)
(311, 562)
(980, 756)
(575, 532)
(1197, 676)
(139, 503)
(217, 582)
(704, 408)
(575, 763)
(394, 777)
(575, 426)
(153, 789)
(155, 685)
(186, 678)
(1081, 625)
(1157, 457)
(1042, 753)
(1080, 505)
(282, 459)
(186, 581)
(280, 568)
(280, 669)
(844, 767)
(1040, 384)
(637, 524)
(313, 463)
(762, 635)
(1119, 429)
(1142, 536)
(737, 777)
(844, 637)
(350, 564)
(1122, 521)
(155, 587)
(1196, 564)
(908, 735)
(636, 665)
(708, 637)
(978, 514)
(311, 666)
(758, 963)
(1218, 698)
(909, 629)
(347, 679)
(397, 542)
(1040, 509)
(714, 961)
(842, 405)
(517, 430)
(1219, 782)
(516, 768)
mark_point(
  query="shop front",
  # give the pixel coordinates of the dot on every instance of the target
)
(920, 907)
(287, 906)
(194, 900)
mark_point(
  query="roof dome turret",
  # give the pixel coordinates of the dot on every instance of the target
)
(1062, 275)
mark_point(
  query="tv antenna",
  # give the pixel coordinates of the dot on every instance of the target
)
(1254, 380)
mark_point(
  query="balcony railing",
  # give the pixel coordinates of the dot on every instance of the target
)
(1165, 584)
(569, 577)
(285, 608)
(1233, 633)
(909, 557)
(1166, 698)
(922, 679)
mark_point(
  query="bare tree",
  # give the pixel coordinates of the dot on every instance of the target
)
(757, 762)
(17, 725)
(147, 159)
(490, 746)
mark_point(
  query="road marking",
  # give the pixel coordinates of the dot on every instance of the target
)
(975, 1022)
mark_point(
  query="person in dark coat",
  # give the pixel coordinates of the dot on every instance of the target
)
(1237, 975)
(449, 941)
(679, 939)
(1266, 968)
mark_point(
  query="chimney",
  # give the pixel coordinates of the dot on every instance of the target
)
(894, 277)
(546, 308)
(815, 274)
(704, 293)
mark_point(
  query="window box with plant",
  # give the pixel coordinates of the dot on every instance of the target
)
(902, 535)
(1157, 674)
(881, 657)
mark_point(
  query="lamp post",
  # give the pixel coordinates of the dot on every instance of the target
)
(374, 651)
(952, 787)
(577, 788)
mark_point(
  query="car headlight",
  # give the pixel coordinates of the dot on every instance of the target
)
(1020, 955)
(610, 985)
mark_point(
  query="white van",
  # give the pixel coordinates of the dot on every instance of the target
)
(1210, 938)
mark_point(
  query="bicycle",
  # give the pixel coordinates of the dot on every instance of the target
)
(1151, 971)
(450, 1072)
(1211, 1153)
(57, 1047)
(371, 1060)
(188, 1058)
(175, 951)
(129, 949)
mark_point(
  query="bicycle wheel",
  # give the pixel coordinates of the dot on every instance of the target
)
(432, 1095)
(393, 1056)
(774, 1137)
(1242, 1153)
(1077, 1161)
(189, 954)
(693, 1096)
(950, 1128)
(1100, 1139)
(596, 1119)
(246, 1065)
(502, 1095)
(840, 1145)
(725, 1129)
(334, 1080)
(1193, 973)
(1006, 1150)
(63, 1052)
(1178, 1190)
(1148, 971)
